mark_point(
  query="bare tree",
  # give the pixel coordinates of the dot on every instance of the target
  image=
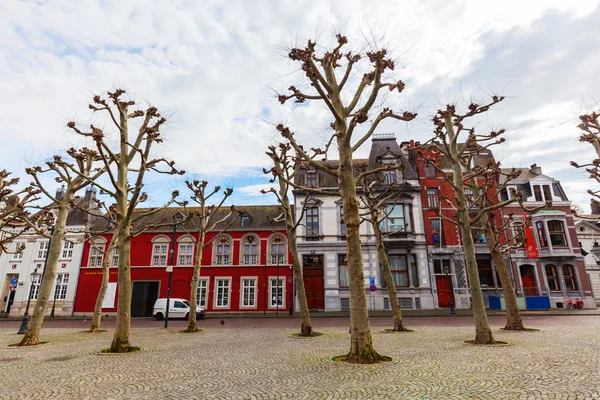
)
(469, 173)
(288, 165)
(106, 261)
(127, 164)
(205, 218)
(328, 86)
(76, 172)
(13, 210)
(590, 125)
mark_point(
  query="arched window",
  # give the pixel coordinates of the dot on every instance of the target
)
(96, 253)
(223, 250)
(541, 232)
(433, 200)
(250, 246)
(160, 251)
(185, 251)
(277, 249)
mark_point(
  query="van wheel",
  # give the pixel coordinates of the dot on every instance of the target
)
(159, 316)
(187, 316)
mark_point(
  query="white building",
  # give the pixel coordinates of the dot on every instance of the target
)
(588, 234)
(25, 267)
(322, 244)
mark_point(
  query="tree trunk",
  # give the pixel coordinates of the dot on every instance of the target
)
(97, 317)
(121, 341)
(483, 333)
(361, 341)
(32, 335)
(306, 328)
(192, 325)
(513, 316)
(389, 281)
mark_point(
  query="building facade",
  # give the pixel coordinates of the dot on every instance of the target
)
(588, 234)
(322, 241)
(246, 269)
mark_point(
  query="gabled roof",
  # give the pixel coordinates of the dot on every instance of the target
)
(525, 176)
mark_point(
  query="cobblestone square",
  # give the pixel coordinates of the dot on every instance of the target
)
(231, 361)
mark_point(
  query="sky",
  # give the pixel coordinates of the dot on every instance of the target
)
(214, 68)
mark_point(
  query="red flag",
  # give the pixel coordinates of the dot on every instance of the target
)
(530, 244)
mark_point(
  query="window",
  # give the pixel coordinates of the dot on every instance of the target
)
(556, 230)
(42, 250)
(245, 220)
(569, 276)
(441, 266)
(248, 292)
(312, 221)
(469, 197)
(399, 270)
(179, 304)
(222, 299)
(276, 292)
(436, 231)
(429, 169)
(343, 271)
(96, 255)
(186, 254)
(541, 232)
(115, 257)
(201, 293)
(432, 198)
(395, 221)
(537, 192)
(67, 251)
(414, 270)
(223, 245)
(277, 248)
(342, 222)
(60, 289)
(311, 179)
(389, 177)
(250, 250)
(484, 267)
(547, 192)
(159, 255)
(552, 278)
(36, 280)
(17, 249)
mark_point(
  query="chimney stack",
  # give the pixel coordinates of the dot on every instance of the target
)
(534, 169)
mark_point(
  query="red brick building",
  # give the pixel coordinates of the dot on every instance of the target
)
(246, 269)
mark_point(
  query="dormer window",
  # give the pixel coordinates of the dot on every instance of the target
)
(389, 177)
(542, 192)
(311, 179)
(245, 220)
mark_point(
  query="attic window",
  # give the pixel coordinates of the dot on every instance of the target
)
(245, 220)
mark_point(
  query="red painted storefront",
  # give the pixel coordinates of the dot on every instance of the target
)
(261, 277)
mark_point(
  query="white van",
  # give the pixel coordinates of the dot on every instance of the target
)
(178, 308)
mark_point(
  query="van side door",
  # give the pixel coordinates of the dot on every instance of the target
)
(179, 309)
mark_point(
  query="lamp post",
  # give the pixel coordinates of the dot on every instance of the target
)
(25, 321)
(278, 287)
(176, 219)
(292, 293)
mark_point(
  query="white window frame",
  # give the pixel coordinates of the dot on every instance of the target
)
(202, 286)
(60, 286)
(96, 256)
(273, 305)
(115, 257)
(250, 259)
(272, 257)
(42, 249)
(188, 257)
(18, 255)
(36, 282)
(67, 250)
(242, 293)
(161, 247)
(222, 259)
(217, 292)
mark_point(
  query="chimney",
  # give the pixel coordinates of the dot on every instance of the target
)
(595, 206)
(60, 192)
(412, 144)
(534, 169)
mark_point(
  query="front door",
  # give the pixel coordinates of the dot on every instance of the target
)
(143, 297)
(444, 290)
(528, 280)
(314, 281)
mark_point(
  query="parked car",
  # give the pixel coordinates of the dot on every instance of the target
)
(178, 308)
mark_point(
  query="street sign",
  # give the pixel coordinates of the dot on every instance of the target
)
(372, 280)
(373, 288)
(14, 282)
(170, 268)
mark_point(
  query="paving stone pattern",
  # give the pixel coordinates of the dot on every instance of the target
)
(560, 362)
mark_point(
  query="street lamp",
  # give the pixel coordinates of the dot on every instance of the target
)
(176, 219)
(25, 321)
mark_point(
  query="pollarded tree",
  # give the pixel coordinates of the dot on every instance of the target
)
(127, 164)
(287, 165)
(469, 172)
(76, 172)
(375, 199)
(205, 218)
(590, 125)
(349, 107)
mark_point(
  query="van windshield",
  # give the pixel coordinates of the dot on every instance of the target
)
(187, 303)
